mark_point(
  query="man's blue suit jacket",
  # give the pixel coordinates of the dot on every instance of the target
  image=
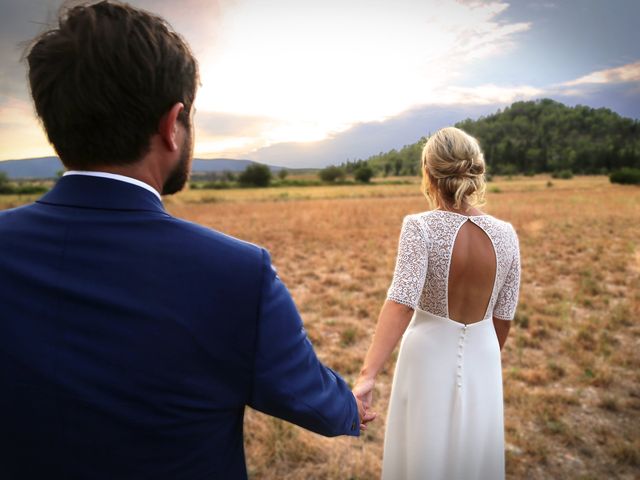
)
(131, 341)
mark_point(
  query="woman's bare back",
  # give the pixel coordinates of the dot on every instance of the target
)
(471, 274)
(464, 268)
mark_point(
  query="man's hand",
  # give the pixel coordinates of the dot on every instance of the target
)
(363, 391)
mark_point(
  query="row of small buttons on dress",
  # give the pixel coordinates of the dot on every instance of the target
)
(463, 333)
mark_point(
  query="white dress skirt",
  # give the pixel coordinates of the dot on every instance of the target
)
(445, 418)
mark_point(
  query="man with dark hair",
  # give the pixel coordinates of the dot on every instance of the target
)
(109, 79)
(131, 341)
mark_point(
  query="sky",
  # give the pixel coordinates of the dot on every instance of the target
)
(308, 83)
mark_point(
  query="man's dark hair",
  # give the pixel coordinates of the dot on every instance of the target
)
(102, 80)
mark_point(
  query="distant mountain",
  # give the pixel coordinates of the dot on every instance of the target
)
(48, 167)
(202, 165)
(44, 167)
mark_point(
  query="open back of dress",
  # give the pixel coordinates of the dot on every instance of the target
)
(428, 255)
(445, 418)
(472, 273)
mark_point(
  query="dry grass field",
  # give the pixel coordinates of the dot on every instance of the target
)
(571, 364)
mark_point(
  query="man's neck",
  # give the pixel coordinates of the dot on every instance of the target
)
(115, 176)
(138, 171)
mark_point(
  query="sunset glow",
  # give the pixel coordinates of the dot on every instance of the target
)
(289, 72)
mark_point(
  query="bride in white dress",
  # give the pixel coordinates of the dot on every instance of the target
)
(454, 292)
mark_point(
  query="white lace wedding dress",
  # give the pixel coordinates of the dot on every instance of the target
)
(445, 417)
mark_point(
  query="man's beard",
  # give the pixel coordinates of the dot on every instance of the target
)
(180, 175)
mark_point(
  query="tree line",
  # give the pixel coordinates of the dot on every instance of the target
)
(7, 187)
(542, 136)
(259, 175)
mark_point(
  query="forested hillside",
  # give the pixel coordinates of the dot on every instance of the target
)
(539, 136)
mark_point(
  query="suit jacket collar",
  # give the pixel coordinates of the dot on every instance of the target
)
(101, 193)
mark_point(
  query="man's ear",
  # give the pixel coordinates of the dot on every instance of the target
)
(168, 128)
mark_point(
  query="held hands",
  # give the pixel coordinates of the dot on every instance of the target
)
(363, 392)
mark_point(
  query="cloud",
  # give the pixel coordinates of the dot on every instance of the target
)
(21, 135)
(363, 139)
(317, 68)
(542, 5)
(624, 74)
(19, 23)
(195, 20)
(222, 134)
(292, 70)
(225, 124)
(281, 73)
(369, 138)
(488, 94)
(615, 88)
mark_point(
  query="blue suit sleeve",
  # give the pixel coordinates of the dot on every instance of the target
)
(289, 380)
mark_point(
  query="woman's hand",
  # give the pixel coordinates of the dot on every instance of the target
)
(363, 391)
(392, 322)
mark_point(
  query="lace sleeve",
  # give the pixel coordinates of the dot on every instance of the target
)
(505, 306)
(411, 265)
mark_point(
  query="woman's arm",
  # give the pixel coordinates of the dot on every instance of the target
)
(502, 330)
(406, 287)
(392, 323)
(507, 301)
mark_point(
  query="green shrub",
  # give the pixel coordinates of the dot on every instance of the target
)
(626, 176)
(363, 174)
(229, 176)
(297, 182)
(5, 186)
(216, 185)
(19, 188)
(508, 170)
(331, 174)
(29, 189)
(562, 174)
(256, 175)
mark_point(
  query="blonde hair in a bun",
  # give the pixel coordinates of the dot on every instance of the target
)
(453, 170)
